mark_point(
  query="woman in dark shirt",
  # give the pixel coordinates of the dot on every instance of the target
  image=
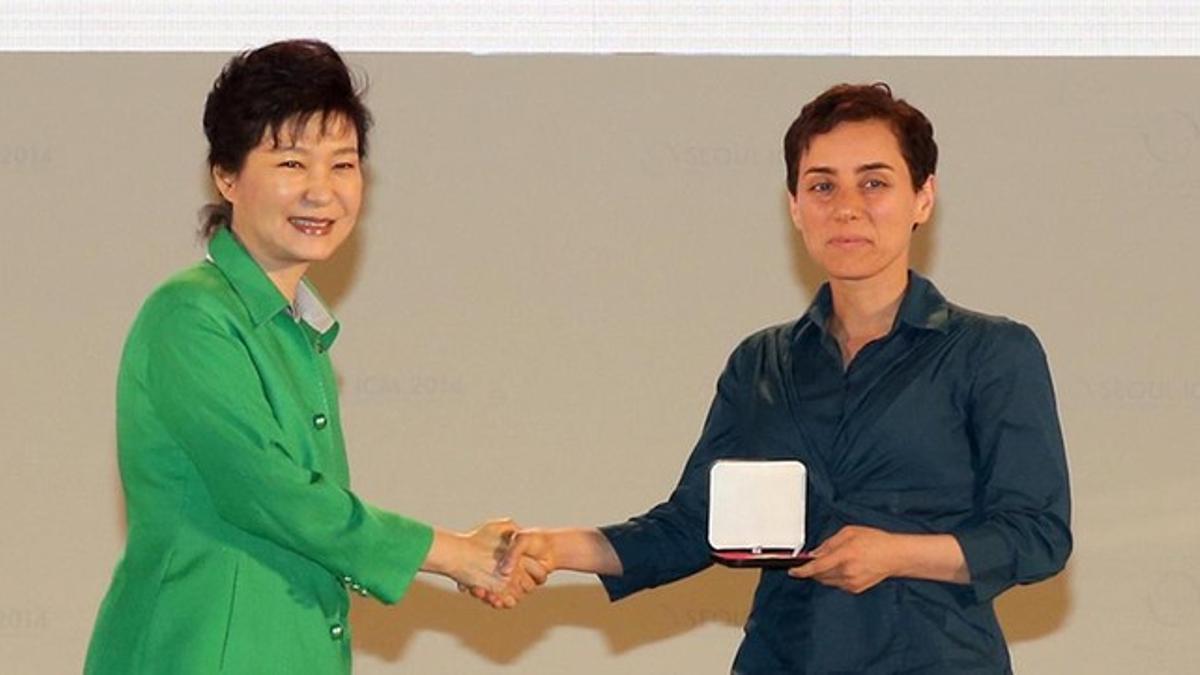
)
(937, 475)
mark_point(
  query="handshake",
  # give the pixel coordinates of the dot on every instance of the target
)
(498, 563)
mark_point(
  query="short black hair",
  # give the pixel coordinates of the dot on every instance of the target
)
(856, 103)
(265, 90)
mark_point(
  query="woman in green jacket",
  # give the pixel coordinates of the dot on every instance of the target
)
(244, 538)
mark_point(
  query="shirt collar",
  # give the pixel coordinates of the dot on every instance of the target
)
(922, 306)
(261, 298)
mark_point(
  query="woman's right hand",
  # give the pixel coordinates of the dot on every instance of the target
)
(582, 549)
(472, 559)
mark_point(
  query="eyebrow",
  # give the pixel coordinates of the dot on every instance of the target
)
(344, 150)
(863, 168)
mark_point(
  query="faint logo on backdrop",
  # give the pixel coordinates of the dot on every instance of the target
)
(24, 156)
(378, 387)
(687, 618)
(1133, 392)
(1172, 141)
(704, 156)
(22, 620)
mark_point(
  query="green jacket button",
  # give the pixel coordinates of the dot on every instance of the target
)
(335, 631)
(320, 421)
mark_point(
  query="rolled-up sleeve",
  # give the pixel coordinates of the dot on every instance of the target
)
(208, 395)
(1023, 533)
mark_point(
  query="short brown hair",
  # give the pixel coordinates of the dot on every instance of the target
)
(856, 103)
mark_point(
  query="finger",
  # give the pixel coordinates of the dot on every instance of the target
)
(535, 570)
(815, 567)
(838, 583)
(835, 577)
(809, 569)
(505, 601)
(517, 584)
(496, 600)
(801, 572)
(525, 582)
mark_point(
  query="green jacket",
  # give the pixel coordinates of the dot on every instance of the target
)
(243, 535)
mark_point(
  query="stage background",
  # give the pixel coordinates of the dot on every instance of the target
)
(558, 255)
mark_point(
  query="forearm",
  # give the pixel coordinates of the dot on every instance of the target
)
(1022, 532)
(268, 497)
(583, 549)
(933, 557)
(445, 553)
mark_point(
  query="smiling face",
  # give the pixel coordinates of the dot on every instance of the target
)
(295, 202)
(854, 203)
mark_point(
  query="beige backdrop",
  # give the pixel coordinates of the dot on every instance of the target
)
(558, 255)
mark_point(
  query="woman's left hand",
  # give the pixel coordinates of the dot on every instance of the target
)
(854, 559)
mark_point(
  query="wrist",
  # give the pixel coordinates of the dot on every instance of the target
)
(902, 559)
(445, 553)
(934, 557)
(555, 549)
(584, 550)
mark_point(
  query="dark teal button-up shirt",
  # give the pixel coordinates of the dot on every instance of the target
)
(945, 425)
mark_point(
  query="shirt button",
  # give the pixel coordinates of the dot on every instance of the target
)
(335, 631)
(320, 421)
